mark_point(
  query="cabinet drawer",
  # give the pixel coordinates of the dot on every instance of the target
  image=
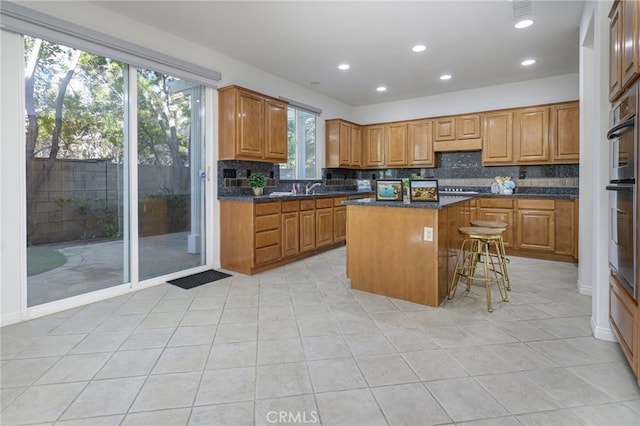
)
(267, 254)
(323, 203)
(536, 204)
(337, 201)
(265, 223)
(289, 206)
(307, 204)
(267, 238)
(267, 208)
(496, 203)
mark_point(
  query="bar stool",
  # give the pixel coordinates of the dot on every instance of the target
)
(494, 224)
(479, 241)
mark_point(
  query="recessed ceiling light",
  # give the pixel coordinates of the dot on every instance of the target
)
(528, 62)
(445, 77)
(419, 48)
(344, 67)
(381, 89)
(525, 23)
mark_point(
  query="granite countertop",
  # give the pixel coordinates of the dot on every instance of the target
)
(429, 205)
(569, 196)
(265, 198)
(445, 201)
(451, 198)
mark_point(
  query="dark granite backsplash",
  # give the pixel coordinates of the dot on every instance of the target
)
(461, 169)
(454, 165)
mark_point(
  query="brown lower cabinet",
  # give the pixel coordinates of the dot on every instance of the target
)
(624, 316)
(545, 228)
(324, 222)
(257, 236)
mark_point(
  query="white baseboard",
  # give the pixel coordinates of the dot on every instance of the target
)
(9, 319)
(603, 333)
(587, 290)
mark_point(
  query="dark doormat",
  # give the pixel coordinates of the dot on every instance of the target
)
(198, 279)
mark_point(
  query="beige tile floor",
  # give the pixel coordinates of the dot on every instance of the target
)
(297, 345)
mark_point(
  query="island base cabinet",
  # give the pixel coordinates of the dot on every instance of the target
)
(388, 255)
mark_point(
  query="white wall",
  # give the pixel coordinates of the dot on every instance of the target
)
(12, 234)
(532, 92)
(594, 159)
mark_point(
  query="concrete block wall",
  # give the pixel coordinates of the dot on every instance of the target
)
(52, 214)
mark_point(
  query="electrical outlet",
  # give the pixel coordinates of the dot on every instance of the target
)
(428, 234)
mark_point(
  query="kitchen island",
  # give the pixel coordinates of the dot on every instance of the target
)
(405, 251)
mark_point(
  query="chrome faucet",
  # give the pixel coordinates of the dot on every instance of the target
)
(308, 189)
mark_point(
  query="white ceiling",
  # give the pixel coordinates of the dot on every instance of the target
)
(304, 41)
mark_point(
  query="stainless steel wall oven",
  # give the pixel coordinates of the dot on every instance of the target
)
(623, 197)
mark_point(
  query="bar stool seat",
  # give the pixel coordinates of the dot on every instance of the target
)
(494, 224)
(479, 241)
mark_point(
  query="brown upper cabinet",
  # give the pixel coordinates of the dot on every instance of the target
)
(624, 46)
(543, 134)
(399, 144)
(420, 144)
(373, 145)
(252, 126)
(565, 133)
(548, 134)
(531, 135)
(457, 133)
(497, 138)
(395, 147)
(343, 146)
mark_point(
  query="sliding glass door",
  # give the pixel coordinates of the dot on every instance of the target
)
(86, 169)
(170, 189)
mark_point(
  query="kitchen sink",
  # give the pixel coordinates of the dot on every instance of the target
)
(281, 194)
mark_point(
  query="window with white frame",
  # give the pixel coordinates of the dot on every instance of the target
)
(302, 153)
